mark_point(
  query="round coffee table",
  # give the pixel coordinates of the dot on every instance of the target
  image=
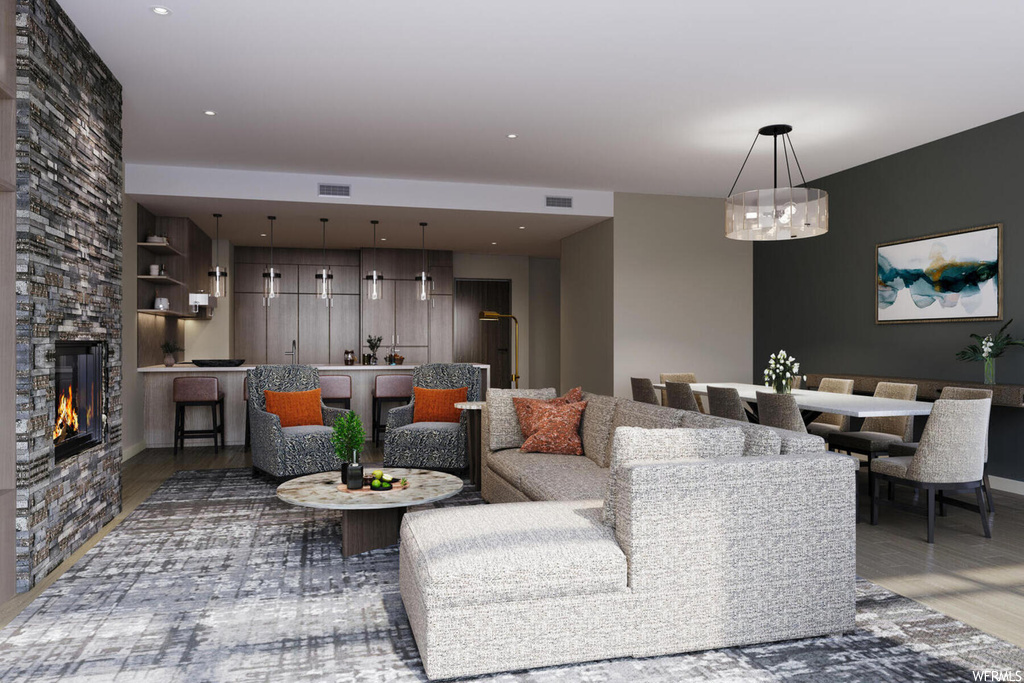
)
(372, 518)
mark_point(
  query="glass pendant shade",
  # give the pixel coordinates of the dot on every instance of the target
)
(324, 277)
(218, 276)
(778, 214)
(271, 286)
(374, 278)
(424, 283)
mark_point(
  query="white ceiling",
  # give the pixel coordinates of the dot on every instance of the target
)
(661, 97)
(348, 227)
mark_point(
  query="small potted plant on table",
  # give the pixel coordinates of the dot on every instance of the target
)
(170, 348)
(348, 439)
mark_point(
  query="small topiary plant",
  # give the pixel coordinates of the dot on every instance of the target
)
(348, 437)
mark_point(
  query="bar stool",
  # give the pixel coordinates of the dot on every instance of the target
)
(197, 391)
(388, 388)
(336, 389)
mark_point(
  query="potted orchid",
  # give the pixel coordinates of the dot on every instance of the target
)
(988, 348)
(782, 369)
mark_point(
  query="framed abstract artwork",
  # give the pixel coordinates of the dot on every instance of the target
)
(953, 276)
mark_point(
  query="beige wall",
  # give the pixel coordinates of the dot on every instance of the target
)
(545, 322)
(683, 297)
(587, 321)
(213, 338)
(132, 426)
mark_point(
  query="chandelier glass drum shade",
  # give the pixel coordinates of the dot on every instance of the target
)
(324, 277)
(271, 286)
(781, 213)
(374, 279)
(218, 276)
(424, 283)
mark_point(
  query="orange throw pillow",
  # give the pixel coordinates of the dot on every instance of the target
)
(525, 408)
(295, 408)
(437, 405)
(557, 429)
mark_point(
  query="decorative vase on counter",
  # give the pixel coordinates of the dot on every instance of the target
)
(354, 476)
(373, 359)
(990, 370)
(350, 357)
(169, 360)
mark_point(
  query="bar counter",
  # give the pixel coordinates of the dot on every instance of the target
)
(159, 405)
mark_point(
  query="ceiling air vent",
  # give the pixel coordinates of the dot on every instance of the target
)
(327, 190)
(559, 202)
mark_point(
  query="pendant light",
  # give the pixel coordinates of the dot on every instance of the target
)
(423, 279)
(781, 213)
(324, 277)
(374, 279)
(218, 276)
(271, 288)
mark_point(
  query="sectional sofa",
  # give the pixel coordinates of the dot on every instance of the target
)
(675, 532)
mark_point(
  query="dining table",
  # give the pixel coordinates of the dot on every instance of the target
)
(814, 403)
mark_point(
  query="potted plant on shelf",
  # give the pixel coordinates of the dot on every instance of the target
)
(348, 439)
(988, 348)
(782, 369)
(170, 348)
(374, 344)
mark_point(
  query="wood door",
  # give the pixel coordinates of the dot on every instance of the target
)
(344, 327)
(282, 327)
(314, 330)
(484, 342)
(410, 315)
(248, 277)
(441, 330)
(378, 317)
(250, 323)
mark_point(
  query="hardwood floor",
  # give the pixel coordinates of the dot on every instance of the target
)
(964, 575)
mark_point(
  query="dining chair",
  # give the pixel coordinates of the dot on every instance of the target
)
(950, 457)
(643, 390)
(955, 394)
(680, 396)
(666, 377)
(830, 423)
(779, 410)
(725, 402)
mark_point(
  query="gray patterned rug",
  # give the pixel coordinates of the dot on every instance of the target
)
(213, 579)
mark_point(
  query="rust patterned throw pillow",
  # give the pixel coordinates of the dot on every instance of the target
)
(557, 429)
(437, 405)
(525, 408)
(295, 408)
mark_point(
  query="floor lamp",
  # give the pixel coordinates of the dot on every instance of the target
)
(494, 315)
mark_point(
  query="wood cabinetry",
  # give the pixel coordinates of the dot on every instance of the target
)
(410, 315)
(344, 327)
(442, 329)
(282, 327)
(250, 327)
(185, 258)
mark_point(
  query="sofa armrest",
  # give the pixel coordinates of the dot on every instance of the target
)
(400, 416)
(267, 438)
(330, 414)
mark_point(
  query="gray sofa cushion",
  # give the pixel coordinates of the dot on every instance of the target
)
(758, 440)
(795, 442)
(645, 415)
(552, 482)
(501, 414)
(630, 445)
(511, 464)
(596, 426)
(485, 554)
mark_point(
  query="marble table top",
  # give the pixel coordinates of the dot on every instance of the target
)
(471, 405)
(321, 490)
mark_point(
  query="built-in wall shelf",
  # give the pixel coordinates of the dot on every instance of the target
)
(159, 248)
(162, 280)
(166, 314)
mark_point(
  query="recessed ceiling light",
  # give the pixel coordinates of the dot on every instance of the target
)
(263, 234)
(162, 11)
(511, 136)
(494, 243)
(383, 239)
(210, 112)
(522, 227)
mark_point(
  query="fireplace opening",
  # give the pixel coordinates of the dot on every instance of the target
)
(78, 384)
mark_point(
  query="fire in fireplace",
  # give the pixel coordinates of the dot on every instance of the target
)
(78, 384)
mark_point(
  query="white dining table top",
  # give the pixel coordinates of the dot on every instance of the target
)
(826, 402)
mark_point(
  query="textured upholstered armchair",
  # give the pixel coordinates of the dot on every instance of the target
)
(288, 451)
(431, 445)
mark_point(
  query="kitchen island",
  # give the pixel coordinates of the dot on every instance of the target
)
(158, 407)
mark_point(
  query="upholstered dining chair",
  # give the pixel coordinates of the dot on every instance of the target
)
(666, 377)
(680, 396)
(725, 402)
(955, 394)
(643, 390)
(779, 410)
(431, 445)
(950, 457)
(288, 451)
(830, 423)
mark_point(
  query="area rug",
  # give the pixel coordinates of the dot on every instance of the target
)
(213, 579)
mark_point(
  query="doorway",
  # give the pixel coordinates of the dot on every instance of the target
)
(484, 342)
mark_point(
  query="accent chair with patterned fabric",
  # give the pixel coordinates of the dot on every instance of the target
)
(288, 451)
(431, 445)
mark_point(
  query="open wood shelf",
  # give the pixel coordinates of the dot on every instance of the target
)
(166, 314)
(158, 248)
(162, 280)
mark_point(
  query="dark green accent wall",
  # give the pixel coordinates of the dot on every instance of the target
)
(816, 297)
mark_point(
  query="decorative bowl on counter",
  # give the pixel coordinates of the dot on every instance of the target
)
(218, 362)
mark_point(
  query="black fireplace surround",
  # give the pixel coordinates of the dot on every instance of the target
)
(78, 390)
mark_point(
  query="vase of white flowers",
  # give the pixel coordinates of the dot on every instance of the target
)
(782, 369)
(988, 348)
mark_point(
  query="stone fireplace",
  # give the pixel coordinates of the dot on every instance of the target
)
(78, 388)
